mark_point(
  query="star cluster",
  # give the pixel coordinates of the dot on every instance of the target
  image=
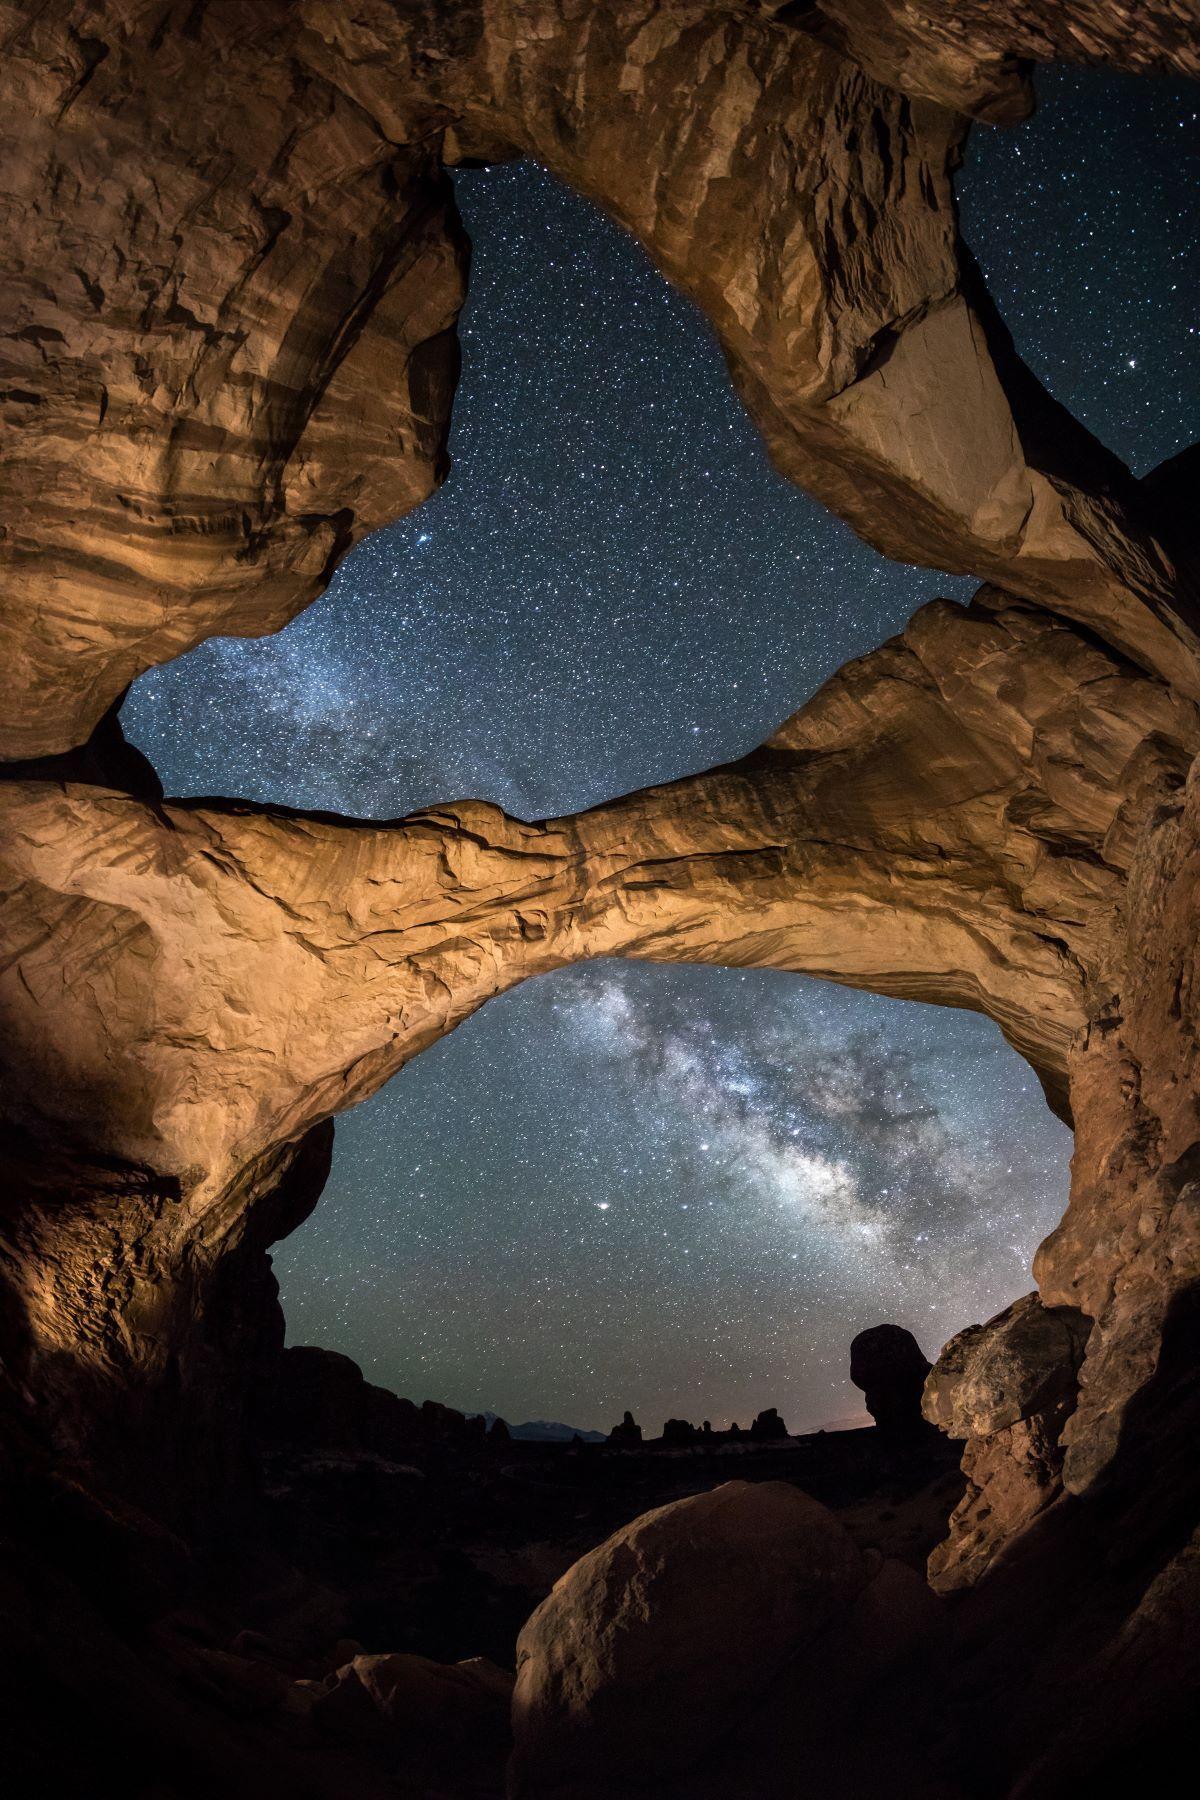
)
(681, 1190)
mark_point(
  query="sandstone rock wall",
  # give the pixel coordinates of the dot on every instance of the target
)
(974, 55)
(809, 213)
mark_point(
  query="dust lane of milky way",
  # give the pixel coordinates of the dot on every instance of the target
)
(681, 1190)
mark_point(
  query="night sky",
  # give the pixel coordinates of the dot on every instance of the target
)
(679, 1190)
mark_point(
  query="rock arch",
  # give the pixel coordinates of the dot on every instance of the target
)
(229, 352)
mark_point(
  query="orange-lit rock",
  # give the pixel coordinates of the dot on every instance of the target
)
(950, 818)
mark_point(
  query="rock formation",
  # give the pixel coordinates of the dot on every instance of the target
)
(679, 1433)
(656, 1648)
(441, 1723)
(974, 55)
(634, 1664)
(233, 269)
(627, 1434)
(232, 350)
(298, 961)
(319, 1398)
(768, 1426)
(1008, 1388)
(888, 1364)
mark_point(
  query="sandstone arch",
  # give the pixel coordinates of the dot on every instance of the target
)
(228, 352)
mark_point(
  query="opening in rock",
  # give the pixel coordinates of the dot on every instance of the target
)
(1086, 214)
(675, 1189)
(668, 1189)
(613, 587)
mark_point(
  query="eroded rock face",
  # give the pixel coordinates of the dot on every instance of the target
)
(1128, 1251)
(973, 55)
(238, 974)
(1008, 1388)
(1020, 1363)
(952, 817)
(228, 350)
(228, 346)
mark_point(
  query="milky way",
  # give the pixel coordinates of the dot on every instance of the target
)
(681, 1190)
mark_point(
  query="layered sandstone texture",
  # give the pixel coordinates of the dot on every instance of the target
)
(233, 269)
(1007, 1388)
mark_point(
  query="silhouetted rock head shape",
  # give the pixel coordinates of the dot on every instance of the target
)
(889, 1365)
(628, 1432)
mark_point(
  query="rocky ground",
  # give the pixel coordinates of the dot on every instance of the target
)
(448, 1551)
(355, 1630)
(701, 1616)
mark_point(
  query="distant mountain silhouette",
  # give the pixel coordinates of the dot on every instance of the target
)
(548, 1431)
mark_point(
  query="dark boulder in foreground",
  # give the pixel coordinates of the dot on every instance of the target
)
(656, 1646)
(437, 1722)
(889, 1365)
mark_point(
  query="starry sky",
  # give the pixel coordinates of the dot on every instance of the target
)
(678, 1190)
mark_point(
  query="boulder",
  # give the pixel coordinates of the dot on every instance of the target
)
(1023, 1362)
(653, 1646)
(888, 1364)
(445, 1721)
